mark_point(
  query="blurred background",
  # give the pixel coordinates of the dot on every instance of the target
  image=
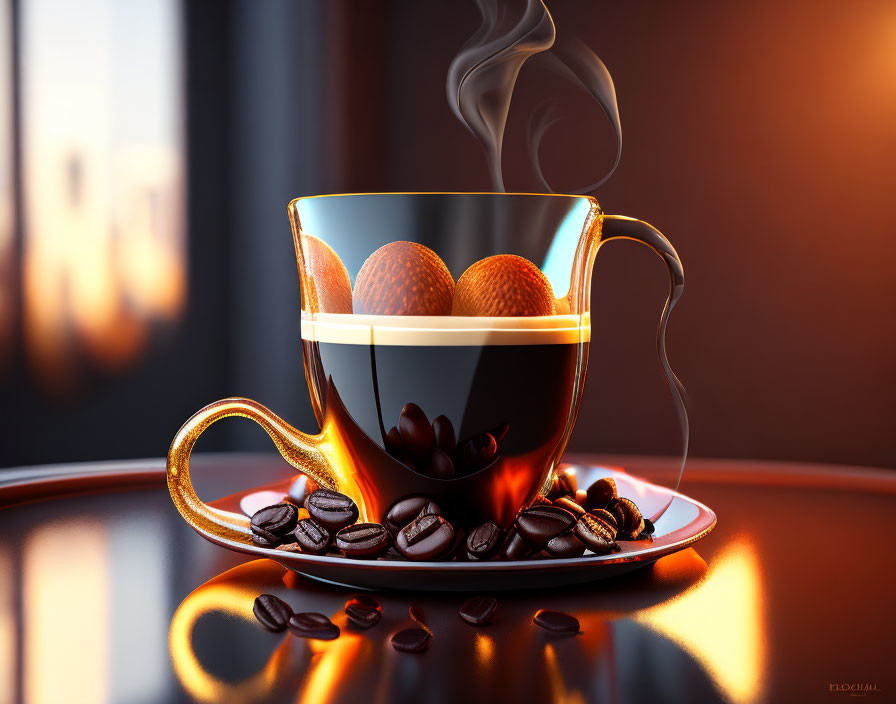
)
(148, 149)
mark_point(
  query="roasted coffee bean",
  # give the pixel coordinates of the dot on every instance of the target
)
(568, 482)
(479, 451)
(439, 465)
(278, 520)
(566, 545)
(606, 517)
(446, 440)
(415, 431)
(313, 625)
(499, 431)
(483, 541)
(290, 547)
(393, 442)
(406, 510)
(411, 640)
(628, 517)
(264, 542)
(596, 534)
(363, 612)
(581, 497)
(516, 547)
(478, 610)
(600, 494)
(363, 540)
(331, 509)
(430, 509)
(272, 613)
(570, 505)
(311, 536)
(425, 538)
(649, 528)
(556, 621)
(541, 523)
(598, 521)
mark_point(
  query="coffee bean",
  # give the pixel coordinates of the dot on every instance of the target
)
(406, 510)
(411, 640)
(516, 547)
(444, 434)
(363, 540)
(581, 497)
(556, 621)
(483, 541)
(393, 442)
(499, 431)
(606, 517)
(596, 534)
(263, 542)
(311, 536)
(600, 494)
(568, 482)
(278, 520)
(478, 610)
(331, 509)
(479, 451)
(416, 433)
(425, 538)
(566, 545)
(649, 528)
(628, 517)
(313, 625)
(272, 613)
(363, 612)
(430, 509)
(570, 505)
(541, 523)
(439, 465)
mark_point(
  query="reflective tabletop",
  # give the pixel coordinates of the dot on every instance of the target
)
(106, 595)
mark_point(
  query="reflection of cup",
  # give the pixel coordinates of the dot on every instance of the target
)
(464, 392)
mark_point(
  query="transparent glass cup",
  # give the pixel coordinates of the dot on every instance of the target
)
(445, 338)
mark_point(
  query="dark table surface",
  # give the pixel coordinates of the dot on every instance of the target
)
(106, 595)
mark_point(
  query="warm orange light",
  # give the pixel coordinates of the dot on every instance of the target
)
(66, 629)
(721, 623)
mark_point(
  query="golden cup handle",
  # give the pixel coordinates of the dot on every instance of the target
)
(300, 449)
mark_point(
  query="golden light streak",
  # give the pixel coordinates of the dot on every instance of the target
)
(66, 633)
(332, 659)
(721, 623)
(559, 693)
(8, 655)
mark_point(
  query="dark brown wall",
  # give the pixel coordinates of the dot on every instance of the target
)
(761, 138)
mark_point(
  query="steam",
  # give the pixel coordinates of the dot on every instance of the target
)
(483, 75)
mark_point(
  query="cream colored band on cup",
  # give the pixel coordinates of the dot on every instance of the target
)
(432, 331)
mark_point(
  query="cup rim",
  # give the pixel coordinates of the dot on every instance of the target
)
(444, 193)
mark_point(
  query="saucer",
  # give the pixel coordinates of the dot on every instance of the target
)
(683, 523)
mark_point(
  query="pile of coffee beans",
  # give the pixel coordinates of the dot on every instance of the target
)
(433, 449)
(364, 612)
(565, 523)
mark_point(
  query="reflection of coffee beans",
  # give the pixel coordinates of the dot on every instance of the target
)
(403, 278)
(272, 613)
(444, 434)
(363, 540)
(503, 285)
(479, 451)
(313, 625)
(326, 286)
(331, 509)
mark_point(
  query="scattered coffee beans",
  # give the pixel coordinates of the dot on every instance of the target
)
(425, 538)
(556, 621)
(272, 613)
(411, 640)
(596, 534)
(406, 510)
(566, 545)
(362, 612)
(600, 494)
(313, 625)
(311, 536)
(479, 610)
(541, 523)
(331, 509)
(274, 523)
(363, 540)
(483, 542)
(516, 547)
(628, 517)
